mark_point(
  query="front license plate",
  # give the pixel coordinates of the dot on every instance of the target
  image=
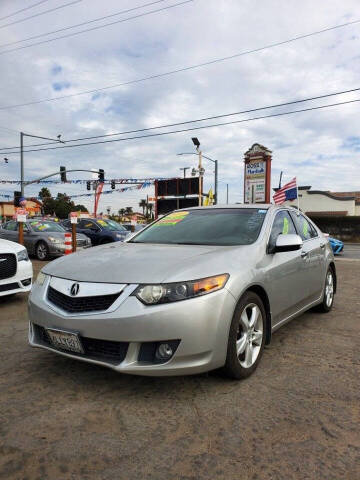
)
(65, 341)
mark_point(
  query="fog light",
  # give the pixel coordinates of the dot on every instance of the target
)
(164, 351)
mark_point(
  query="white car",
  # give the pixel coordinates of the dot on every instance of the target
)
(16, 270)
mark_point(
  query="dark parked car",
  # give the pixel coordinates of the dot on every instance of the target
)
(99, 231)
(42, 238)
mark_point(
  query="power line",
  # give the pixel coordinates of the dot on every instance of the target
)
(179, 70)
(39, 14)
(23, 9)
(97, 27)
(251, 110)
(159, 134)
(81, 24)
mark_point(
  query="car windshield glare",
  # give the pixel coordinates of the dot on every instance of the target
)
(111, 225)
(44, 226)
(213, 226)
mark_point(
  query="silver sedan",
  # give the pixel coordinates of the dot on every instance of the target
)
(183, 297)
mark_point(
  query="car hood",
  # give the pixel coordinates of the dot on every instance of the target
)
(143, 263)
(6, 246)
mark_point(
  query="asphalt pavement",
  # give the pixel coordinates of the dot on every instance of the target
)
(351, 251)
(297, 417)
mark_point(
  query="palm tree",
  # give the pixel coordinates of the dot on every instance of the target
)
(149, 208)
(142, 204)
(128, 211)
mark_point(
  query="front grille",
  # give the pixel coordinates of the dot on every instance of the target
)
(8, 265)
(104, 350)
(9, 286)
(81, 304)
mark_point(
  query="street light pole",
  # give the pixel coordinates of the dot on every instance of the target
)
(227, 194)
(184, 169)
(216, 173)
(22, 135)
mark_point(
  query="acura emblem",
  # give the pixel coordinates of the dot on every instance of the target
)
(74, 290)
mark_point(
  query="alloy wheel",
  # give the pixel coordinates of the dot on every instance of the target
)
(249, 336)
(41, 251)
(329, 289)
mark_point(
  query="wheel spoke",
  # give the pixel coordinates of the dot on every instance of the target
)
(244, 320)
(254, 316)
(248, 355)
(240, 345)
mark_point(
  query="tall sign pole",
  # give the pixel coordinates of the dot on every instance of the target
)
(257, 174)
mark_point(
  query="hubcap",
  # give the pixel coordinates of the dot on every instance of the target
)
(329, 289)
(250, 334)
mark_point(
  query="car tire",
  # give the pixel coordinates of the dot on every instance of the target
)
(246, 337)
(329, 291)
(41, 251)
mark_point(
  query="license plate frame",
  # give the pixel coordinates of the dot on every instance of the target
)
(64, 340)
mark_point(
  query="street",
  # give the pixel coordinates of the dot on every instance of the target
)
(297, 417)
(351, 251)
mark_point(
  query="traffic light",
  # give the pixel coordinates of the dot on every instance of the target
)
(63, 174)
(88, 185)
(101, 175)
(113, 185)
(17, 196)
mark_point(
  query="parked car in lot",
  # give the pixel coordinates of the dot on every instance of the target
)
(15, 269)
(138, 226)
(42, 238)
(99, 231)
(181, 297)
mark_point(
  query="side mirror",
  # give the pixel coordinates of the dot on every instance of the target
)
(288, 243)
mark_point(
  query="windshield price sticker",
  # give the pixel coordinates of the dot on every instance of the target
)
(172, 219)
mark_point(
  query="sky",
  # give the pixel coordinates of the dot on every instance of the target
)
(321, 148)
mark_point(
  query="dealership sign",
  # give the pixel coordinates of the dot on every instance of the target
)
(257, 173)
(255, 180)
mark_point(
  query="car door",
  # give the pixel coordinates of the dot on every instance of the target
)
(312, 254)
(286, 272)
(90, 229)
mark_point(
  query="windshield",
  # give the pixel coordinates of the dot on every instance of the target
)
(43, 226)
(230, 226)
(111, 225)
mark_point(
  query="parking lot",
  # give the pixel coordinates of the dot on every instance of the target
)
(297, 417)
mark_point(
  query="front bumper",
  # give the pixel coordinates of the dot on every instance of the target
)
(200, 326)
(57, 250)
(14, 284)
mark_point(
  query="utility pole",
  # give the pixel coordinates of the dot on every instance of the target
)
(227, 194)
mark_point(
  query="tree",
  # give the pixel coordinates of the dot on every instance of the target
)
(128, 211)
(62, 205)
(143, 204)
(44, 193)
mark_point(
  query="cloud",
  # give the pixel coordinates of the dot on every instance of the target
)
(310, 145)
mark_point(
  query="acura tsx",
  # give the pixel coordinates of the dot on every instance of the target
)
(181, 296)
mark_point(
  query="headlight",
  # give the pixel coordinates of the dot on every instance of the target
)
(23, 255)
(173, 292)
(40, 279)
(56, 240)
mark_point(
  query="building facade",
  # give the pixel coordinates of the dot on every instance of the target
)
(317, 203)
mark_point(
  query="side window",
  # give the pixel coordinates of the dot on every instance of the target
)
(85, 224)
(282, 225)
(314, 232)
(12, 226)
(305, 230)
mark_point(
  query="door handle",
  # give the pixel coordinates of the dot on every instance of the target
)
(304, 254)
(322, 245)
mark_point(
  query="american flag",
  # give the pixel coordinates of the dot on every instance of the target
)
(287, 192)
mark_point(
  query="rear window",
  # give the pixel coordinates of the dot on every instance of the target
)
(228, 226)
